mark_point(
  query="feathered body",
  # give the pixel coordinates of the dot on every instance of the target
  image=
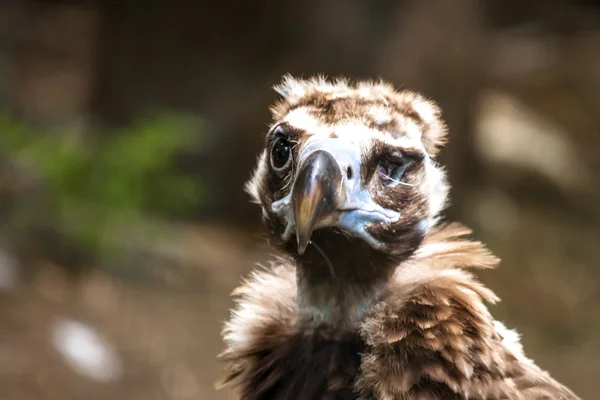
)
(381, 307)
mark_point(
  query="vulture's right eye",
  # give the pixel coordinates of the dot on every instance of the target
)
(281, 154)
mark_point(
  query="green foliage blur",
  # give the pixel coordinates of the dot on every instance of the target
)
(94, 185)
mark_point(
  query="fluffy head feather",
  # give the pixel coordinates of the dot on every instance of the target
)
(374, 104)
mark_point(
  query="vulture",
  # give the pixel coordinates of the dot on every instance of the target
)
(368, 294)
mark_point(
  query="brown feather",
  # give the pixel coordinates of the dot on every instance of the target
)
(430, 337)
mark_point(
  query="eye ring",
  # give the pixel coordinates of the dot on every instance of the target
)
(281, 150)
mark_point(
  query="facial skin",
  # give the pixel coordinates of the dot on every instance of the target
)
(348, 184)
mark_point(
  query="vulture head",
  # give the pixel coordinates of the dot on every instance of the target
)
(349, 187)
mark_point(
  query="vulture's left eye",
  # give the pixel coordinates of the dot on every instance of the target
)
(393, 168)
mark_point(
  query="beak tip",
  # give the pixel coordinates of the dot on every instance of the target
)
(315, 195)
(302, 244)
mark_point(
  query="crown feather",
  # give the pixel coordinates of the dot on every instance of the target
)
(425, 112)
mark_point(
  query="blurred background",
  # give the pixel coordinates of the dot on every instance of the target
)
(127, 130)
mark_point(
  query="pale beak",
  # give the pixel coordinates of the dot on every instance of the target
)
(317, 195)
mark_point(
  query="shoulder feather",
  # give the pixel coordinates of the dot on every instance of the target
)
(433, 334)
(265, 305)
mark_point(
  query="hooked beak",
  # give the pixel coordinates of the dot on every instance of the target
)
(328, 192)
(316, 196)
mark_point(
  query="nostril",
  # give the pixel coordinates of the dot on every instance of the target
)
(349, 172)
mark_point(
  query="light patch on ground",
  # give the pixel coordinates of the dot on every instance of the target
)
(86, 352)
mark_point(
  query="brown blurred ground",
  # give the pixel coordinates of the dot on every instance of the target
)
(519, 83)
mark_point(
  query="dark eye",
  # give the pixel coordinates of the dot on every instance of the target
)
(393, 168)
(281, 151)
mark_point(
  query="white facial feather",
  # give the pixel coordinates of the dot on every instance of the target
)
(351, 131)
(434, 186)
